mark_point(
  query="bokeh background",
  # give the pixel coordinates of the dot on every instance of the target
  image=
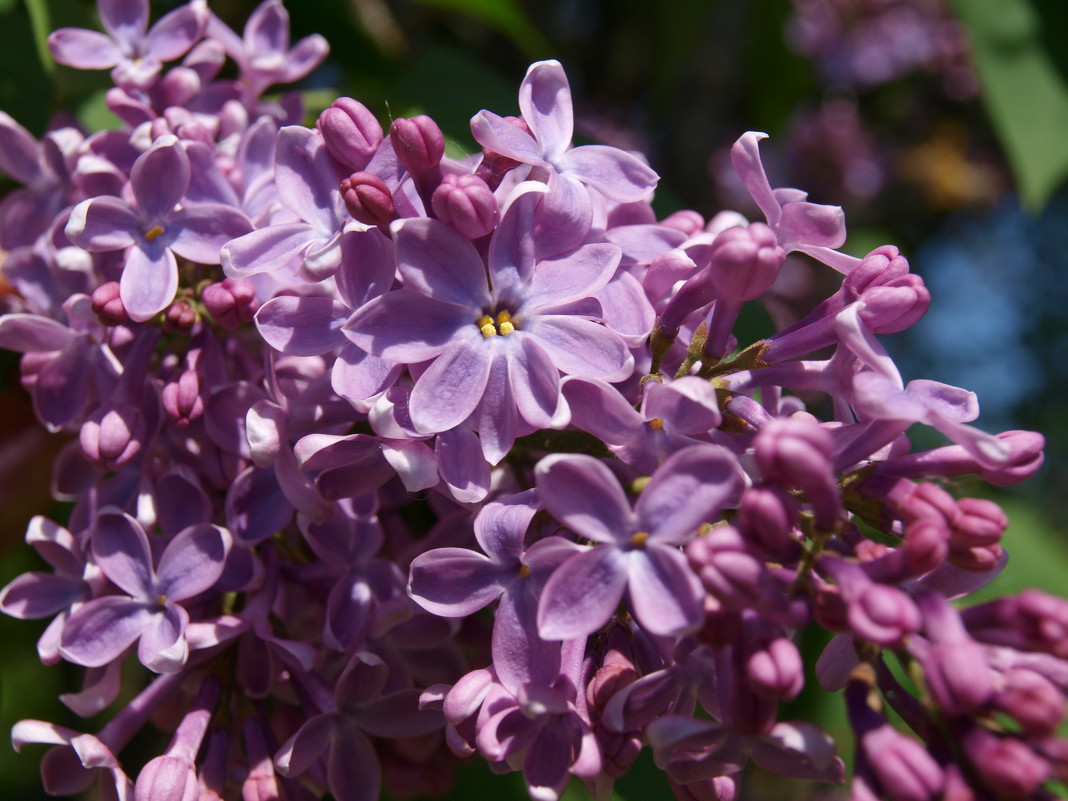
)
(941, 127)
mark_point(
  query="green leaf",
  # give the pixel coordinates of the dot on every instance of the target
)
(504, 16)
(1025, 95)
(41, 22)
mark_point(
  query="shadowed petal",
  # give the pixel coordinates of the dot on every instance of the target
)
(102, 629)
(545, 101)
(450, 389)
(688, 489)
(665, 595)
(456, 582)
(440, 262)
(582, 594)
(193, 561)
(352, 771)
(120, 547)
(584, 495)
(302, 326)
(163, 647)
(535, 382)
(501, 525)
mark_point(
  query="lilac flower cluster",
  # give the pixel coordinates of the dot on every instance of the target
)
(330, 393)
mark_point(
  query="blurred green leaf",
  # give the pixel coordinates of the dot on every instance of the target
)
(505, 16)
(1025, 95)
(41, 21)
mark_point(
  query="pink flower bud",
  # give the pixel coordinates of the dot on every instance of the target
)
(776, 670)
(1033, 700)
(881, 266)
(745, 261)
(979, 524)
(1005, 765)
(466, 203)
(112, 436)
(350, 132)
(183, 398)
(895, 306)
(107, 305)
(418, 142)
(688, 221)
(368, 199)
(231, 302)
(179, 317)
(906, 772)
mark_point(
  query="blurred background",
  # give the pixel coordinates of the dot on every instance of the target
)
(940, 127)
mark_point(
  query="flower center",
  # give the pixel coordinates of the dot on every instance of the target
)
(153, 233)
(656, 423)
(638, 538)
(502, 324)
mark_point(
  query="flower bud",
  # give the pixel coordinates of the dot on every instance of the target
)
(1025, 457)
(980, 523)
(895, 306)
(745, 261)
(904, 768)
(1005, 765)
(926, 545)
(796, 454)
(112, 436)
(418, 142)
(881, 266)
(957, 676)
(231, 302)
(183, 398)
(776, 670)
(1033, 700)
(179, 317)
(350, 132)
(368, 199)
(107, 305)
(686, 220)
(466, 203)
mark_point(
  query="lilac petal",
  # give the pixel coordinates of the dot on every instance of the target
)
(125, 20)
(988, 450)
(353, 772)
(302, 326)
(368, 267)
(267, 29)
(440, 262)
(348, 613)
(202, 229)
(665, 595)
(462, 465)
(101, 630)
(512, 252)
(405, 326)
(535, 383)
(798, 750)
(948, 402)
(303, 57)
(120, 548)
(578, 275)
(498, 135)
(305, 179)
(160, 177)
(497, 416)
(545, 102)
(580, 347)
(299, 489)
(414, 462)
(148, 282)
(616, 174)
(598, 408)
(836, 662)
(163, 647)
(582, 594)
(31, 333)
(277, 247)
(357, 375)
(626, 308)
(450, 389)
(255, 509)
(507, 732)
(546, 762)
(61, 390)
(398, 715)
(520, 656)
(502, 524)
(564, 216)
(689, 404)
(745, 155)
(33, 732)
(101, 688)
(175, 33)
(877, 397)
(583, 494)
(83, 49)
(456, 582)
(811, 224)
(688, 489)
(180, 501)
(193, 561)
(18, 151)
(103, 224)
(305, 747)
(56, 545)
(36, 595)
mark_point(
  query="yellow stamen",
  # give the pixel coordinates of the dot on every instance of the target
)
(638, 539)
(503, 317)
(488, 330)
(524, 571)
(153, 233)
(162, 600)
(506, 328)
(656, 423)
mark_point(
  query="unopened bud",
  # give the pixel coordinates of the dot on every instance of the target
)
(112, 436)
(179, 317)
(231, 302)
(351, 133)
(467, 204)
(108, 306)
(418, 143)
(368, 199)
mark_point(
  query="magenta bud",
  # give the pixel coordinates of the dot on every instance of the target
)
(1043, 620)
(1005, 765)
(979, 524)
(418, 143)
(368, 199)
(978, 559)
(183, 399)
(776, 671)
(895, 306)
(957, 676)
(767, 517)
(351, 133)
(231, 302)
(745, 261)
(1025, 457)
(881, 266)
(179, 317)
(795, 453)
(467, 204)
(107, 305)
(112, 435)
(167, 778)
(686, 220)
(926, 545)
(884, 615)
(1033, 700)
(904, 768)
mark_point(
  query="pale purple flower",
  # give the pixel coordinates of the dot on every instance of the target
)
(495, 340)
(134, 52)
(156, 229)
(638, 549)
(100, 630)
